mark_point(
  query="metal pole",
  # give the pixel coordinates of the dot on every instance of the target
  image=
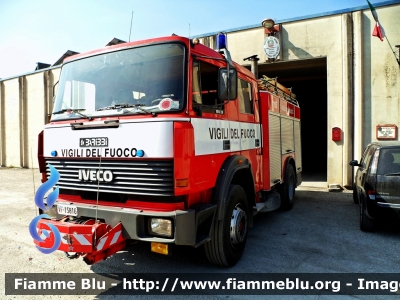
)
(254, 64)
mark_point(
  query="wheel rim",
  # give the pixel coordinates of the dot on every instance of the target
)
(238, 228)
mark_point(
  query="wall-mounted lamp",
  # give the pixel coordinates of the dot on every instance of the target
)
(268, 23)
(270, 27)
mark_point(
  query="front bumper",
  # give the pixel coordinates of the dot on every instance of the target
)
(189, 225)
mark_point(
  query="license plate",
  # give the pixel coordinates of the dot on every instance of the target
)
(67, 210)
(93, 142)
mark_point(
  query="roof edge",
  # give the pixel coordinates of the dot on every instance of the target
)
(30, 73)
(324, 14)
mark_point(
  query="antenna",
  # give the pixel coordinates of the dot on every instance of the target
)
(189, 30)
(130, 30)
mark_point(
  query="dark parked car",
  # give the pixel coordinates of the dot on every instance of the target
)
(377, 184)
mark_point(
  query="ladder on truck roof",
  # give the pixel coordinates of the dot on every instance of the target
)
(271, 85)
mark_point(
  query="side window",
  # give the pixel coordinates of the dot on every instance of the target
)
(367, 156)
(374, 162)
(245, 97)
(205, 86)
(196, 88)
(362, 162)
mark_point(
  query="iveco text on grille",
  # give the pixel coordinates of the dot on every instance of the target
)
(95, 175)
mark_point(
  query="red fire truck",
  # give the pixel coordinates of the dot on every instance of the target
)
(166, 141)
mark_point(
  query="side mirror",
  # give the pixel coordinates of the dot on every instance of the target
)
(227, 90)
(354, 163)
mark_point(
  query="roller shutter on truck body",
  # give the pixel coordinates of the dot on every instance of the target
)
(281, 136)
(275, 148)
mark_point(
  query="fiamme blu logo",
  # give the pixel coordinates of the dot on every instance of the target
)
(39, 201)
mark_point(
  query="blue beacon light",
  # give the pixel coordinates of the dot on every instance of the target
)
(53, 153)
(221, 40)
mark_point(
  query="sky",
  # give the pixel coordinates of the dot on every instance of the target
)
(34, 31)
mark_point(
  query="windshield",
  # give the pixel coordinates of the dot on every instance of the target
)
(140, 80)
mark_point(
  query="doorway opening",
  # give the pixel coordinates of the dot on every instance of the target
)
(308, 80)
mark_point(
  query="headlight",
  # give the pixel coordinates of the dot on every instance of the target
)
(162, 227)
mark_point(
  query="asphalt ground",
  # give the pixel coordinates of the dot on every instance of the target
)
(319, 235)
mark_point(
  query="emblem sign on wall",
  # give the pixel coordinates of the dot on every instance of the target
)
(271, 47)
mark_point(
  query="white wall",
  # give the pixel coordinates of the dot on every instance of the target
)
(24, 104)
(381, 72)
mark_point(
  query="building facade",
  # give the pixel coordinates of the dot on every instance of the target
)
(344, 78)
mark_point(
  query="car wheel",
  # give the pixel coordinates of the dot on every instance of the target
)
(355, 194)
(229, 234)
(366, 224)
(288, 189)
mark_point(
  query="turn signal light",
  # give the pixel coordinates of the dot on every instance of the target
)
(182, 182)
(160, 248)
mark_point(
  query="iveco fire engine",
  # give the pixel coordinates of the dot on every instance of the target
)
(166, 141)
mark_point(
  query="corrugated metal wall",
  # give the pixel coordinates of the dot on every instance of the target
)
(25, 102)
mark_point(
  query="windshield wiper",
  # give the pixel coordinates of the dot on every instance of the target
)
(127, 105)
(139, 106)
(392, 174)
(75, 111)
(115, 106)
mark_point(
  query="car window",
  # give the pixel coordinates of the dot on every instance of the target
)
(362, 161)
(389, 161)
(205, 87)
(369, 151)
(374, 163)
(245, 97)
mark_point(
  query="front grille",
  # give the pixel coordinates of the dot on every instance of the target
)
(151, 178)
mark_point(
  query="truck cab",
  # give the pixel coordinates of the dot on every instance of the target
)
(163, 141)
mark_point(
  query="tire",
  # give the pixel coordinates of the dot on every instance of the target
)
(229, 235)
(355, 195)
(366, 224)
(288, 189)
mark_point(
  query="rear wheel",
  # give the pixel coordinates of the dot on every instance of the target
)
(229, 234)
(288, 189)
(366, 224)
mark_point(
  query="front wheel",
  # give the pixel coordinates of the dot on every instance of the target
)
(289, 188)
(229, 234)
